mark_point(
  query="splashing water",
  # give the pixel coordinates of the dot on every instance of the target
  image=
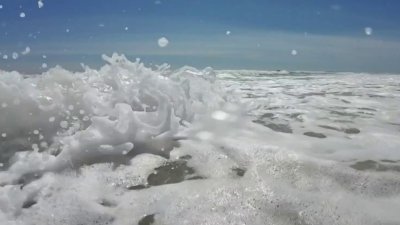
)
(127, 144)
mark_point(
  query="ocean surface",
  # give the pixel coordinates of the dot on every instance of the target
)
(127, 144)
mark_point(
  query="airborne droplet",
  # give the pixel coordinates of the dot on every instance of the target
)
(40, 4)
(368, 31)
(163, 42)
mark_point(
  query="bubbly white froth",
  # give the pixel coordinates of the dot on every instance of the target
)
(244, 147)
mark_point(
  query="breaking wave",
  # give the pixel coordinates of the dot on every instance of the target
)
(62, 119)
(127, 144)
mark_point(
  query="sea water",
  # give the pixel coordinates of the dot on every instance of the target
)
(128, 144)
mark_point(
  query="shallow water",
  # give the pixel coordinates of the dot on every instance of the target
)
(131, 145)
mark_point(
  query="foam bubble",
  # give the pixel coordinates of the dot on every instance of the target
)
(220, 115)
(205, 135)
(44, 144)
(64, 124)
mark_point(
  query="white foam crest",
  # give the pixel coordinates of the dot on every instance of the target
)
(129, 105)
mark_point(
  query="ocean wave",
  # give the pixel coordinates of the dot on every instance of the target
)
(64, 119)
(127, 144)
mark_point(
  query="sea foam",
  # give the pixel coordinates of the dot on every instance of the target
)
(127, 144)
(91, 116)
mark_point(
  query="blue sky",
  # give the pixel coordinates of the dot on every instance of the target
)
(327, 35)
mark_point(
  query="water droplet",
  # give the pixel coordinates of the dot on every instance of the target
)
(40, 4)
(163, 42)
(22, 15)
(26, 51)
(36, 132)
(4, 135)
(4, 105)
(15, 55)
(52, 119)
(294, 52)
(368, 31)
(228, 32)
(44, 65)
(336, 7)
